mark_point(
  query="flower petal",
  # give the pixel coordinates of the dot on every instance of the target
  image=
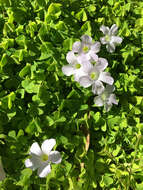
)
(104, 29)
(35, 149)
(85, 81)
(98, 101)
(110, 88)
(76, 47)
(71, 58)
(55, 157)
(103, 40)
(86, 39)
(79, 73)
(106, 77)
(97, 87)
(28, 163)
(44, 170)
(116, 40)
(68, 70)
(110, 47)
(47, 145)
(112, 99)
(113, 29)
(2, 172)
(94, 58)
(82, 58)
(87, 66)
(96, 47)
(107, 107)
(34, 162)
(102, 64)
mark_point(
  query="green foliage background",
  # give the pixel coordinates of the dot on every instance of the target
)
(38, 102)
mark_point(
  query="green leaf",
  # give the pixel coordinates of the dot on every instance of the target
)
(49, 120)
(41, 3)
(25, 177)
(11, 98)
(33, 127)
(25, 70)
(61, 26)
(86, 28)
(81, 15)
(104, 127)
(54, 10)
(106, 181)
(4, 60)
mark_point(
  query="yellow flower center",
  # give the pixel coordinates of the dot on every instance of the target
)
(85, 49)
(94, 63)
(77, 66)
(103, 96)
(93, 75)
(44, 157)
(107, 38)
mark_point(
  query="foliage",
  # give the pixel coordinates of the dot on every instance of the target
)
(38, 102)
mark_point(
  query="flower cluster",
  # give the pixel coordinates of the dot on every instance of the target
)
(89, 69)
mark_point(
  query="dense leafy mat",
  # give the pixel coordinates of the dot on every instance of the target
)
(38, 102)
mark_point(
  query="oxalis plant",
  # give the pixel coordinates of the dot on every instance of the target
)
(71, 95)
(89, 70)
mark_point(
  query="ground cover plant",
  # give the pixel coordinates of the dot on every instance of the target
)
(61, 129)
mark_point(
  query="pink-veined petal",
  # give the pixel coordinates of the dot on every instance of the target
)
(103, 40)
(79, 73)
(104, 29)
(116, 39)
(106, 77)
(97, 87)
(44, 170)
(112, 99)
(96, 47)
(110, 88)
(85, 81)
(68, 70)
(34, 162)
(98, 101)
(113, 29)
(107, 107)
(70, 57)
(76, 47)
(101, 64)
(28, 163)
(86, 39)
(87, 66)
(55, 157)
(110, 47)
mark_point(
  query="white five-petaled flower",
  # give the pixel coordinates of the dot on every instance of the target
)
(95, 75)
(76, 65)
(106, 98)
(86, 47)
(110, 38)
(2, 172)
(40, 158)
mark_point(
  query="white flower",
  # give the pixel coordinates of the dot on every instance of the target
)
(95, 75)
(86, 47)
(106, 98)
(110, 38)
(42, 157)
(2, 172)
(75, 66)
